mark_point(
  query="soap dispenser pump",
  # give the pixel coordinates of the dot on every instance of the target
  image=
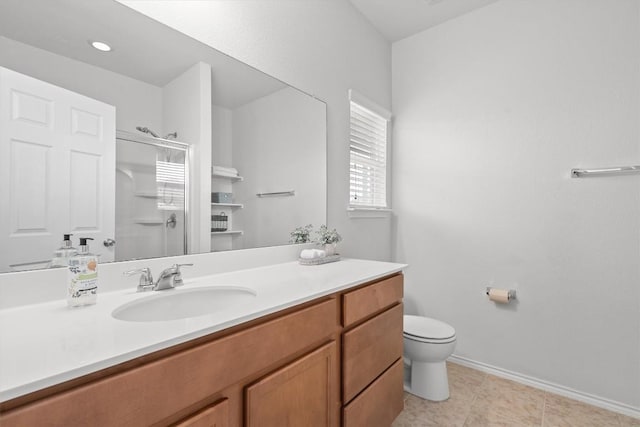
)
(63, 253)
(83, 276)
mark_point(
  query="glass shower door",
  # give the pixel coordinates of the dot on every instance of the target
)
(151, 198)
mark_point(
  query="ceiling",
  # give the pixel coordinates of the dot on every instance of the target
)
(397, 19)
(154, 53)
(142, 48)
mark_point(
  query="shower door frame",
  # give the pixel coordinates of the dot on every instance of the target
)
(167, 143)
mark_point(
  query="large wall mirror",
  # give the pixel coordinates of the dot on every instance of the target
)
(162, 146)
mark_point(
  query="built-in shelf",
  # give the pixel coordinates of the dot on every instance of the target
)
(147, 194)
(232, 178)
(148, 221)
(228, 205)
(229, 232)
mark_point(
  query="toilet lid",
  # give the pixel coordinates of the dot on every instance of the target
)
(425, 327)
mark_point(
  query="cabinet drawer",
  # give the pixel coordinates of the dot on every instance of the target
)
(154, 392)
(369, 349)
(363, 302)
(380, 403)
(216, 415)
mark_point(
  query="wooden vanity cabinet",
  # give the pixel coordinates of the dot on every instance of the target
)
(292, 368)
(171, 388)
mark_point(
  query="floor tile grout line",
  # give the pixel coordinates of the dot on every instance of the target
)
(475, 396)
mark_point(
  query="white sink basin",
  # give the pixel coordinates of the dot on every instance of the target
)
(183, 303)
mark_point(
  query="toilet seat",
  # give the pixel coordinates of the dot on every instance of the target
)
(429, 340)
(425, 329)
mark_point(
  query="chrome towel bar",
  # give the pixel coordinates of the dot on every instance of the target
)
(617, 170)
(277, 194)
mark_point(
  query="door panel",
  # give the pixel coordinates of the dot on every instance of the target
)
(86, 123)
(31, 109)
(84, 201)
(28, 187)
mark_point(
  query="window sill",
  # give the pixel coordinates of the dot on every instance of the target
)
(354, 212)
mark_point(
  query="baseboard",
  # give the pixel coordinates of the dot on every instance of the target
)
(600, 402)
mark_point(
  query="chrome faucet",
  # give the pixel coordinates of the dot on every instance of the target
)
(146, 279)
(169, 278)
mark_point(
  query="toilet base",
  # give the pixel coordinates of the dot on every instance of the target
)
(429, 380)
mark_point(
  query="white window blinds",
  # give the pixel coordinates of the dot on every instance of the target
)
(368, 153)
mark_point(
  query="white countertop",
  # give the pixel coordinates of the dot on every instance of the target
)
(45, 344)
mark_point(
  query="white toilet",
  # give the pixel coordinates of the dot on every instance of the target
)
(427, 344)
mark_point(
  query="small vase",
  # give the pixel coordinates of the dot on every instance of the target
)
(330, 248)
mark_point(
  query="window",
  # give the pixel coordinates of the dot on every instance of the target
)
(368, 153)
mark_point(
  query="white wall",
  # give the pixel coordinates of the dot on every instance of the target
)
(323, 47)
(187, 110)
(279, 145)
(221, 136)
(492, 111)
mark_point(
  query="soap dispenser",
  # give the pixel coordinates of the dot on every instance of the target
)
(63, 253)
(83, 276)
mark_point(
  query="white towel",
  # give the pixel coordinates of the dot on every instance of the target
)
(230, 175)
(308, 254)
(222, 170)
(226, 170)
(312, 254)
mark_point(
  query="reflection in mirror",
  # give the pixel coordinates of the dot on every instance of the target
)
(151, 197)
(238, 152)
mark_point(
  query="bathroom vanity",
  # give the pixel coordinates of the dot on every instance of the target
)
(331, 356)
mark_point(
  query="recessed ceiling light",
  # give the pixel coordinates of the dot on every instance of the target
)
(101, 46)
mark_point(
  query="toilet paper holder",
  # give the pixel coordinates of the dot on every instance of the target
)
(511, 293)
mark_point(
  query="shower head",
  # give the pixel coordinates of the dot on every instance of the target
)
(147, 130)
(172, 135)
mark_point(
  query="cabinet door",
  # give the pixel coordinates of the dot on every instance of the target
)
(303, 393)
(216, 415)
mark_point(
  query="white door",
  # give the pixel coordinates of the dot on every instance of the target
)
(57, 171)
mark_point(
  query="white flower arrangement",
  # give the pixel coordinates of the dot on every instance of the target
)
(326, 236)
(301, 234)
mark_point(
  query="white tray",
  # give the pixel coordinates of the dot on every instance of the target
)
(319, 261)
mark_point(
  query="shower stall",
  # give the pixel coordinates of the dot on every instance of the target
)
(152, 179)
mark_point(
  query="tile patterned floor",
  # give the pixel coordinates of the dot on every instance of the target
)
(481, 400)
